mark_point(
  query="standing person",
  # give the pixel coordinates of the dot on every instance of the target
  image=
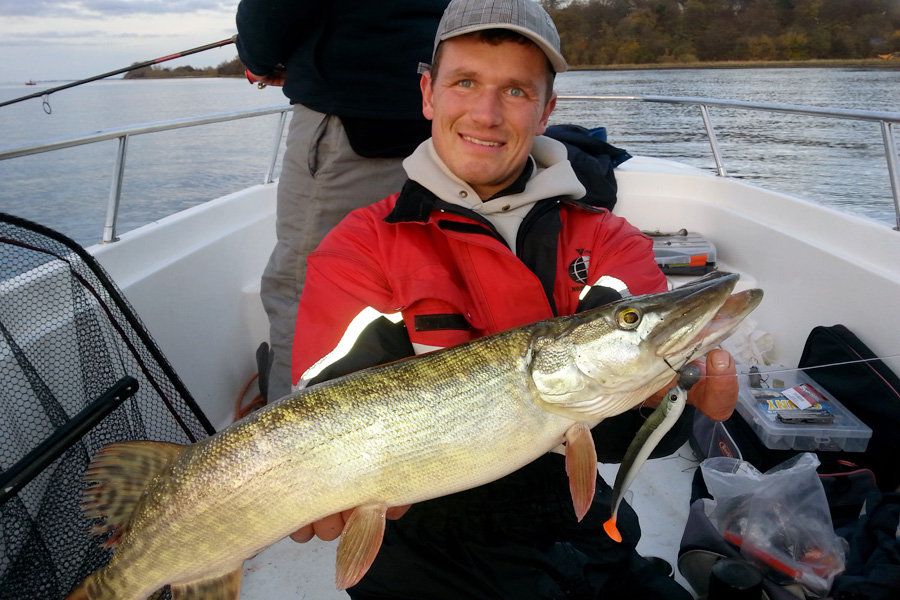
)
(490, 232)
(350, 70)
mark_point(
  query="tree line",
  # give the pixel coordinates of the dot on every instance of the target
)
(611, 32)
(229, 68)
(619, 32)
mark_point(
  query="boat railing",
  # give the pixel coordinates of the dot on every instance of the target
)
(885, 119)
(123, 134)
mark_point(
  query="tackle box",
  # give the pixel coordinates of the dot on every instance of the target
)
(771, 410)
(683, 252)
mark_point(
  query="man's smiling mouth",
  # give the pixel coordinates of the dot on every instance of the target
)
(481, 142)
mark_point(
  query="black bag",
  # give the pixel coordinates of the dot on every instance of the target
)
(870, 390)
(873, 564)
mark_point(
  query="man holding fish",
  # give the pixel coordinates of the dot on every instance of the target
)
(486, 254)
(490, 232)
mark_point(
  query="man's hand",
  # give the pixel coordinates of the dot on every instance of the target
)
(715, 395)
(276, 78)
(330, 527)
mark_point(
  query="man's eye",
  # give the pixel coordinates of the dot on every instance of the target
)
(516, 92)
(465, 83)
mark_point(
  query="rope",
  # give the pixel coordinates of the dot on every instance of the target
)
(241, 409)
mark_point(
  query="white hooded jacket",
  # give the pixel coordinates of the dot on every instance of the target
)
(551, 177)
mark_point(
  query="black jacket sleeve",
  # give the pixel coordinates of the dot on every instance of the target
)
(270, 30)
(379, 343)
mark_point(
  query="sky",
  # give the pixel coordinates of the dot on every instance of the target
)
(50, 40)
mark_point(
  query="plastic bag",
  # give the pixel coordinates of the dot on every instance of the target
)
(779, 519)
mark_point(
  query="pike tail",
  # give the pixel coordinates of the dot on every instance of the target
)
(227, 587)
(81, 592)
(119, 474)
(92, 588)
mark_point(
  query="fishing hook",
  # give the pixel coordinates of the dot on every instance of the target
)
(666, 360)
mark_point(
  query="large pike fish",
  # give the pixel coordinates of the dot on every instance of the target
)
(392, 435)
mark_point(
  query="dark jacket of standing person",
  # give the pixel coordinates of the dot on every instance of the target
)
(357, 60)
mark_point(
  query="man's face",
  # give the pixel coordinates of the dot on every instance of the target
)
(486, 105)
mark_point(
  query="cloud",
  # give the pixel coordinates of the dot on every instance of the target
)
(93, 9)
(71, 38)
(25, 8)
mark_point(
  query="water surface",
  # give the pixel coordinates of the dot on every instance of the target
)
(836, 162)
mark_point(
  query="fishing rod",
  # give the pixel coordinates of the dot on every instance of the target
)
(148, 63)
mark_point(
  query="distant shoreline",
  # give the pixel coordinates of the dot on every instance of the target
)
(862, 63)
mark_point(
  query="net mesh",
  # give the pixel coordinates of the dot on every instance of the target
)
(67, 335)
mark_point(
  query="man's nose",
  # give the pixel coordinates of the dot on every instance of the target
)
(487, 108)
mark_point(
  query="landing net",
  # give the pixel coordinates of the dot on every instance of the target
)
(67, 335)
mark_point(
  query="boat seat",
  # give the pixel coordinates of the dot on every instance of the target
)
(77, 371)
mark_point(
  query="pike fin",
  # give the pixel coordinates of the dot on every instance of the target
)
(359, 544)
(226, 587)
(120, 473)
(581, 465)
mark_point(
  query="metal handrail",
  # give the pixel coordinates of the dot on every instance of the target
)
(884, 118)
(124, 133)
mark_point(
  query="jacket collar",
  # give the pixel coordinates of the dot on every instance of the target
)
(431, 184)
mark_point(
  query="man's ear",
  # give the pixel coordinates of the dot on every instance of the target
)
(427, 95)
(545, 116)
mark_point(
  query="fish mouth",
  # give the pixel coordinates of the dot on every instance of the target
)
(696, 317)
(706, 313)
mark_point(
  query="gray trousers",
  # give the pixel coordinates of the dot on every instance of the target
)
(322, 180)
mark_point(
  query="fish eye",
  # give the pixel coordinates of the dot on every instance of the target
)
(628, 318)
